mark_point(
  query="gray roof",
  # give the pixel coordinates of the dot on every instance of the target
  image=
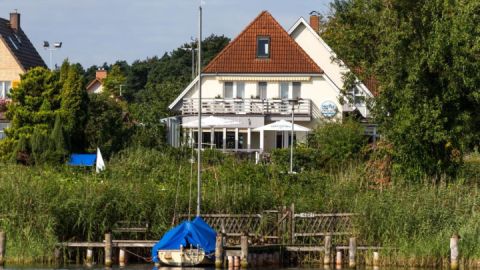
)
(20, 46)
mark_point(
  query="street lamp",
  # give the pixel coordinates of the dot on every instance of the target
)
(292, 101)
(56, 46)
(192, 49)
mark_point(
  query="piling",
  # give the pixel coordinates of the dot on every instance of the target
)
(58, 256)
(454, 252)
(376, 259)
(328, 249)
(236, 261)
(230, 262)
(108, 250)
(219, 251)
(244, 251)
(352, 250)
(338, 260)
(121, 257)
(2, 247)
(89, 257)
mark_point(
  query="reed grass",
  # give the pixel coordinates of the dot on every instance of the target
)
(43, 205)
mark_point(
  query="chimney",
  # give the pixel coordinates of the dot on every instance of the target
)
(315, 21)
(101, 74)
(15, 20)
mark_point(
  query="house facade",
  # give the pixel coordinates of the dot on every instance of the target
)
(96, 85)
(17, 56)
(264, 75)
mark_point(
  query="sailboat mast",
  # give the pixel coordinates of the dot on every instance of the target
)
(200, 133)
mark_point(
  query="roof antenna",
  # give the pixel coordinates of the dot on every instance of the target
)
(16, 10)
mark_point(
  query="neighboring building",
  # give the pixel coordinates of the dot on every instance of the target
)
(96, 85)
(17, 56)
(259, 77)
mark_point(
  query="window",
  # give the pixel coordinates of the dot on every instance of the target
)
(228, 90)
(240, 90)
(296, 90)
(5, 87)
(263, 47)
(284, 90)
(262, 90)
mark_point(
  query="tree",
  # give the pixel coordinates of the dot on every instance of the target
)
(73, 106)
(114, 81)
(425, 55)
(105, 127)
(34, 103)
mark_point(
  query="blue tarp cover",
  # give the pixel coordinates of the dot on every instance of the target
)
(82, 159)
(196, 232)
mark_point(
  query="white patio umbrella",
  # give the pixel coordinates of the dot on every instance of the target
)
(282, 125)
(210, 122)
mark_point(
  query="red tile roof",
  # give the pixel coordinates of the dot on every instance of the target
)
(240, 56)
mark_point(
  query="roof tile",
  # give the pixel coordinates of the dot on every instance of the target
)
(240, 56)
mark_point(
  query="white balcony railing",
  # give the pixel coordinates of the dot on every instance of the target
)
(247, 106)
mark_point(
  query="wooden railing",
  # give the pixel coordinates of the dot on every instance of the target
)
(281, 226)
(247, 106)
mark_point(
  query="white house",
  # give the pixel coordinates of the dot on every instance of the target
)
(259, 78)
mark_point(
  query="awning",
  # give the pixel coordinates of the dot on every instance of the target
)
(210, 122)
(282, 125)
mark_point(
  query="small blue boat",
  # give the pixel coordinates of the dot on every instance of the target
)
(191, 243)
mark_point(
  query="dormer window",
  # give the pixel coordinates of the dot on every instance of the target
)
(263, 47)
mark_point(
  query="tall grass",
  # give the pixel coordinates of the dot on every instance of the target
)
(40, 206)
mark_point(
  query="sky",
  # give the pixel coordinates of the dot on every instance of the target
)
(98, 31)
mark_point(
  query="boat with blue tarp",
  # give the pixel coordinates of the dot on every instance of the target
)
(191, 243)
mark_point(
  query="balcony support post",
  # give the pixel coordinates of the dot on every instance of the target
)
(236, 139)
(249, 139)
(261, 140)
(224, 137)
(212, 137)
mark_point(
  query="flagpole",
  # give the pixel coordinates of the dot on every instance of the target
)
(200, 133)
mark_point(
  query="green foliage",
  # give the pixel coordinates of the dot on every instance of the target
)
(339, 142)
(35, 101)
(115, 79)
(42, 205)
(73, 106)
(425, 56)
(105, 127)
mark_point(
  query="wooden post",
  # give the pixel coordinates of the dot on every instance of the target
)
(236, 261)
(376, 259)
(58, 256)
(121, 257)
(338, 260)
(454, 252)
(292, 224)
(352, 250)
(230, 261)
(328, 249)
(89, 257)
(219, 251)
(108, 250)
(3, 242)
(244, 251)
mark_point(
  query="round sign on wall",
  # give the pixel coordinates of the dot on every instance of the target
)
(328, 109)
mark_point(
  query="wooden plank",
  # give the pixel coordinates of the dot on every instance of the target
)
(321, 234)
(305, 249)
(315, 215)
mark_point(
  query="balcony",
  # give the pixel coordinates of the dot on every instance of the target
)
(270, 107)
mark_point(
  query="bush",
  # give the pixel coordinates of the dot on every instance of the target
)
(339, 142)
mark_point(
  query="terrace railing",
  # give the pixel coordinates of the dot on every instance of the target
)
(247, 106)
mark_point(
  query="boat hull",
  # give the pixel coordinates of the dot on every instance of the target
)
(186, 257)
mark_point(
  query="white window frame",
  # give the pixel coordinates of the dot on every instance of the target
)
(290, 90)
(225, 90)
(4, 89)
(259, 93)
